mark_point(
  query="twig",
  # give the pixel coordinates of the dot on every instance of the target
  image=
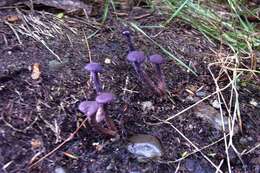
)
(60, 145)
(222, 118)
(251, 150)
(87, 44)
(14, 31)
(205, 98)
(195, 151)
(192, 144)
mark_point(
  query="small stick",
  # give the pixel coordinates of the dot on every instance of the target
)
(60, 145)
(14, 31)
(87, 44)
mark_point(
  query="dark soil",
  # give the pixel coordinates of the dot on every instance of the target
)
(37, 115)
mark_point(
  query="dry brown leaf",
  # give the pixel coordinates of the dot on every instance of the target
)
(36, 143)
(70, 155)
(36, 73)
(12, 19)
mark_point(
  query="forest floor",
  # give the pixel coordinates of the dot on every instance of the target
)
(38, 113)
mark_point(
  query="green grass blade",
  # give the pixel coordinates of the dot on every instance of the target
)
(176, 12)
(106, 10)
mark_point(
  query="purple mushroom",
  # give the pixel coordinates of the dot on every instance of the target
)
(94, 69)
(88, 108)
(98, 108)
(157, 60)
(137, 58)
(129, 40)
(103, 99)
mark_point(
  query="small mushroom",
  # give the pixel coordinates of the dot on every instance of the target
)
(129, 40)
(89, 108)
(157, 60)
(103, 99)
(94, 69)
(137, 58)
(98, 108)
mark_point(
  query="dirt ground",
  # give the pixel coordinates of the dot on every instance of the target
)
(37, 115)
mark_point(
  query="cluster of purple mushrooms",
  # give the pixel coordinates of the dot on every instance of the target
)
(96, 111)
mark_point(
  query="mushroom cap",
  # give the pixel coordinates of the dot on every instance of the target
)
(105, 97)
(88, 107)
(136, 56)
(156, 59)
(94, 67)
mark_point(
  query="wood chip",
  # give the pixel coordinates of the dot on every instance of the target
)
(36, 73)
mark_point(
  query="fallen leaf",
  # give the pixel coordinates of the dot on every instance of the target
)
(60, 15)
(12, 19)
(36, 73)
(70, 155)
(36, 143)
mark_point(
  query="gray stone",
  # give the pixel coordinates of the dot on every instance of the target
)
(201, 94)
(145, 147)
(147, 106)
(212, 116)
(55, 65)
(59, 170)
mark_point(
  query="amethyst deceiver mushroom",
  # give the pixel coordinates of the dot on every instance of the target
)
(94, 69)
(137, 58)
(88, 108)
(127, 33)
(103, 99)
(157, 60)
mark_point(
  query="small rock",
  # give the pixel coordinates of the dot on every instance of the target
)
(201, 94)
(196, 166)
(243, 141)
(216, 104)
(134, 172)
(217, 122)
(59, 170)
(190, 164)
(147, 106)
(254, 103)
(110, 166)
(192, 99)
(212, 116)
(107, 61)
(249, 138)
(145, 147)
(200, 169)
(57, 65)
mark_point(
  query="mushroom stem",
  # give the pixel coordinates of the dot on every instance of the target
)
(130, 44)
(161, 83)
(106, 131)
(149, 82)
(157, 60)
(137, 67)
(129, 40)
(96, 82)
(143, 77)
(111, 124)
(159, 71)
(103, 99)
